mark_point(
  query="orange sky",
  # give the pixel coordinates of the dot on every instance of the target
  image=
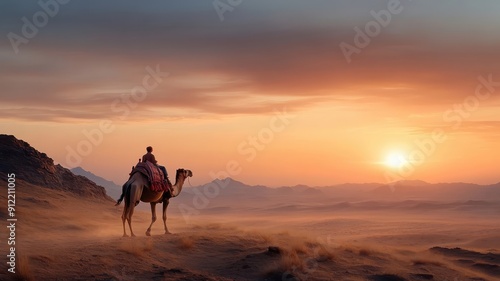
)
(265, 96)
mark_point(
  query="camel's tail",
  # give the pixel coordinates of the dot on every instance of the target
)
(125, 188)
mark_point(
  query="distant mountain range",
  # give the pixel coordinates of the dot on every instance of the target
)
(230, 192)
(112, 189)
(402, 190)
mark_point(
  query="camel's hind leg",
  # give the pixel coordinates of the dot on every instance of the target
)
(153, 218)
(126, 209)
(133, 200)
(129, 219)
(133, 193)
(124, 217)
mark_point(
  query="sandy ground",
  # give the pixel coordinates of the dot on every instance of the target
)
(62, 237)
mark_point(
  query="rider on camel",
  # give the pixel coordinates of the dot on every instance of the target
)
(151, 158)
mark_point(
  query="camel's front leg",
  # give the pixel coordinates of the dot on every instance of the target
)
(165, 205)
(153, 218)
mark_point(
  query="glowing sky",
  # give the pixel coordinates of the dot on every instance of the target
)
(261, 91)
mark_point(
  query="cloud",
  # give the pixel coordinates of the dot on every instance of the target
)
(90, 55)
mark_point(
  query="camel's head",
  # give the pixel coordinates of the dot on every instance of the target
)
(184, 173)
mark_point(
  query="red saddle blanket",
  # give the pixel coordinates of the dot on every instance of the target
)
(154, 175)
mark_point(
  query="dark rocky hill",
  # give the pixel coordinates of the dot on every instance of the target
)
(37, 168)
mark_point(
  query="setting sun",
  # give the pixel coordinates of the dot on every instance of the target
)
(396, 160)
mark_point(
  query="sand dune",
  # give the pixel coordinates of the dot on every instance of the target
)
(66, 237)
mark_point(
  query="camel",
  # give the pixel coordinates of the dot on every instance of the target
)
(136, 189)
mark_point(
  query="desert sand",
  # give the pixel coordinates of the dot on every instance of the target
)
(61, 236)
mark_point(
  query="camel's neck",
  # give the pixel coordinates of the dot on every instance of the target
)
(179, 182)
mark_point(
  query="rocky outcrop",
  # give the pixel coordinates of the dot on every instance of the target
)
(37, 168)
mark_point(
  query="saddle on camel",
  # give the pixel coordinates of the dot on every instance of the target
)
(156, 179)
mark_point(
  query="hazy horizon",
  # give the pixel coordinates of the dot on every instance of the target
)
(300, 183)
